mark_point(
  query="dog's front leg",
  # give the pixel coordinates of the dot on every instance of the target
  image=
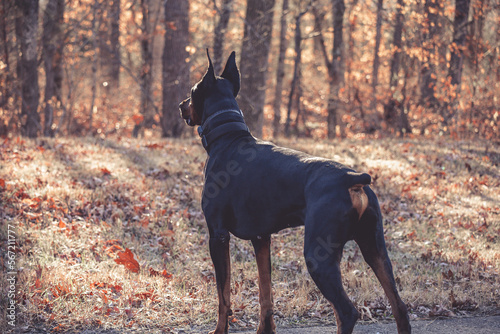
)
(219, 251)
(262, 247)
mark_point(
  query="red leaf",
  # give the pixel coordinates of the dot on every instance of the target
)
(163, 273)
(2, 183)
(154, 146)
(137, 119)
(105, 171)
(412, 235)
(127, 259)
(62, 224)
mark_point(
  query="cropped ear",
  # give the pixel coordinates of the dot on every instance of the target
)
(209, 77)
(232, 74)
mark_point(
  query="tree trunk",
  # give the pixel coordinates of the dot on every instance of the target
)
(145, 77)
(254, 61)
(335, 67)
(95, 37)
(397, 45)
(336, 70)
(394, 109)
(175, 73)
(459, 34)
(29, 68)
(48, 59)
(295, 90)
(350, 58)
(114, 44)
(376, 58)
(6, 48)
(405, 123)
(51, 39)
(457, 55)
(220, 33)
(57, 67)
(430, 47)
(109, 44)
(280, 72)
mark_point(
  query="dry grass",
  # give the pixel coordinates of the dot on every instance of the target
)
(75, 202)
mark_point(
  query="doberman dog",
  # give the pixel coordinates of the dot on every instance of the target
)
(254, 188)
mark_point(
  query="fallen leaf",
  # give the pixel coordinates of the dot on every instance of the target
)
(127, 259)
(449, 275)
(105, 171)
(163, 273)
(154, 146)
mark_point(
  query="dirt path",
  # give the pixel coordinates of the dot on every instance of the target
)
(476, 325)
(472, 325)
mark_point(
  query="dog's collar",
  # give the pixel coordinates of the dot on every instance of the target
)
(209, 137)
(211, 117)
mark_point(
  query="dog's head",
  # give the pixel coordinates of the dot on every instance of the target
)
(209, 90)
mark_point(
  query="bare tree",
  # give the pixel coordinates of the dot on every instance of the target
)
(376, 58)
(295, 88)
(8, 8)
(280, 71)
(430, 54)
(51, 40)
(254, 61)
(175, 73)
(224, 14)
(394, 109)
(335, 66)
(109, 43)
(457, 54)
(29, 68)
(147, 107)
(96, 7)
(114, 45)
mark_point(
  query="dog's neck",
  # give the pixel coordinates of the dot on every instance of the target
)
(221, 118)
(212, 108)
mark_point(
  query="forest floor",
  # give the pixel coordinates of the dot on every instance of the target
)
(109, 236)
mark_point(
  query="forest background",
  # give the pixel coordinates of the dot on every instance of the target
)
(309, 68)
(104, 231)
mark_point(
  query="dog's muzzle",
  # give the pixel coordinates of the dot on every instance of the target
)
(184, 108)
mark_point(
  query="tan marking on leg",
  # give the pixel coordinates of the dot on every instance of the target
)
(266, 323)
(358, 198)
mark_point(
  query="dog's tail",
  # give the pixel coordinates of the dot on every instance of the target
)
(354, 178)
(356, 182)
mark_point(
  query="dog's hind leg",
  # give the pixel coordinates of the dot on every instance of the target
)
(370, 238)
(326, 274)
(219, 251)
(323, 245)
(262, 247)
